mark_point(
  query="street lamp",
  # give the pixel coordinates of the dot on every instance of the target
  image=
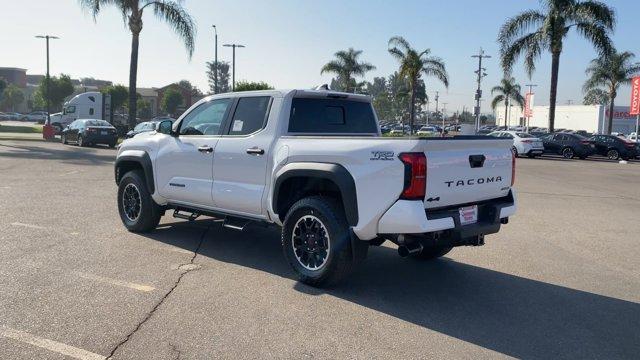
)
(215, 74)
(233, 63)
(47, 37)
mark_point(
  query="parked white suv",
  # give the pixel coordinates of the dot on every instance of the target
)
(315, 164)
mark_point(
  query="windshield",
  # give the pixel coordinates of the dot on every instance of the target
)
(524, 135)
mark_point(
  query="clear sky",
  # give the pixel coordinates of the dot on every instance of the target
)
(287, 42)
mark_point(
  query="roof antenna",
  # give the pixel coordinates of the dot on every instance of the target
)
(323, 87)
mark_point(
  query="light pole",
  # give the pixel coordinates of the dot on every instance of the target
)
(444, 115)
(233, 63)
(48, 79)
(480, 72)
(215, 73)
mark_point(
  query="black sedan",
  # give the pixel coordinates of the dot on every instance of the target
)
(568, 145)
(86, 132)
(614, 147)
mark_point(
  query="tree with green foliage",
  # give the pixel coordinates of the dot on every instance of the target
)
(595, 96)
(195, 92)
(60, 88)
(508, 91)
(221, 70)
(3, 85)
(252, 85)
(132, 11)
(119, 95)
(412, 65)
(347, 66)
(608, 73)
(532, 32)
(171, 100)
(144, 109)
(12, 96)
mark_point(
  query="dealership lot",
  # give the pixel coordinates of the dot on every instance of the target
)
(561, 280)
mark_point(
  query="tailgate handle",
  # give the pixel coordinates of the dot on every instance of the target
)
(476, 161)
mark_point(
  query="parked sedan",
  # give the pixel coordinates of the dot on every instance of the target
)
(614, 147)
(144, 127)
(568, 145)
(523, 143)
(38, 116)
(86, 132)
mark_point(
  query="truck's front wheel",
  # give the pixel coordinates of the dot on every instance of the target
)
(316, 241)
(138, 211)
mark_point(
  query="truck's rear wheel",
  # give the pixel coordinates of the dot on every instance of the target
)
(138, 211)
(316, 241)
(430, 253)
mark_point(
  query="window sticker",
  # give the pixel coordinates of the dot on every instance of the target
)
(237, 125)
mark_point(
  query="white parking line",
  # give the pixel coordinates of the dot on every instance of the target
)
(50, 345)
(139, 287)
(30, 226)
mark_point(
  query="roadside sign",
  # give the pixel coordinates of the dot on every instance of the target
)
(528, 105)
(635, 96)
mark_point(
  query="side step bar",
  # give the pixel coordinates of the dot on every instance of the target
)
(229, 222)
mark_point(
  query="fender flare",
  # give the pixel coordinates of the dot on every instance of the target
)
(140, 157)
(329, 171)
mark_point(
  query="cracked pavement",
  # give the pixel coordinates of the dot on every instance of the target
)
(562, 280)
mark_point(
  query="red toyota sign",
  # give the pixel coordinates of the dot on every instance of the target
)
(635, 96)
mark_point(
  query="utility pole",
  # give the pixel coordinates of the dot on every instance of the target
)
(480, 74)
(569, 102)
(216, 68)
(48, 87)
(437, 104)
(444, 114)
(530, 86)
(426, 121)
(233, 80)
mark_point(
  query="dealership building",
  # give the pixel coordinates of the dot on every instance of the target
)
(592, 118)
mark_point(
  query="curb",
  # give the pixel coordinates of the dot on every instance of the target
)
(8, 138)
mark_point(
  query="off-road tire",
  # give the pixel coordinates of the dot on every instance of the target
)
(430, 253)
(339, 258)
(149, 212)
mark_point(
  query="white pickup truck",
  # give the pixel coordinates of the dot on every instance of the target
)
(314, 163)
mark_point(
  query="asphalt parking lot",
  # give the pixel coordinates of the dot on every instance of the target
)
(561, 280)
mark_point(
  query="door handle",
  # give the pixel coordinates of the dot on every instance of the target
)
(255, 151)
(205, 149)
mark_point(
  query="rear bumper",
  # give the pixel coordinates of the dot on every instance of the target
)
(101, 139)
(409, 217)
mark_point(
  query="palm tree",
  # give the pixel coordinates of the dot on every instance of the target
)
(610, 72)
(412, 65)
(595, 97)
(508, 90)
(347, 66)
(532, 32)
(171, 12)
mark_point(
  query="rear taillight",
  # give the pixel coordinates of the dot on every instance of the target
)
(415, 176)
(527, 141)
(513, 168)
(585, 142)
(630, 145)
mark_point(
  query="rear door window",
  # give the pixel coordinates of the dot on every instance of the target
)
(331, 116)
(250, 115)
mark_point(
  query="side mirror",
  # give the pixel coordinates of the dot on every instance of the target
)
(165, 127)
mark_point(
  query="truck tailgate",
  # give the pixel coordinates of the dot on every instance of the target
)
(463, 171)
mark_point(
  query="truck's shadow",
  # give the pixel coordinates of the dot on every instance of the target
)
(509, 314)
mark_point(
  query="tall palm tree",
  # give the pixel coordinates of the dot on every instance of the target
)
(347, 66)
(532, 32)
(610, 72)
(412, 65)
(171, 12)
(508, 90)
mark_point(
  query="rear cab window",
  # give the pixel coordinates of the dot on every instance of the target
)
(312, 115)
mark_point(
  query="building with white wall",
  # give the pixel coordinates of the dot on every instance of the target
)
(592, 118)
